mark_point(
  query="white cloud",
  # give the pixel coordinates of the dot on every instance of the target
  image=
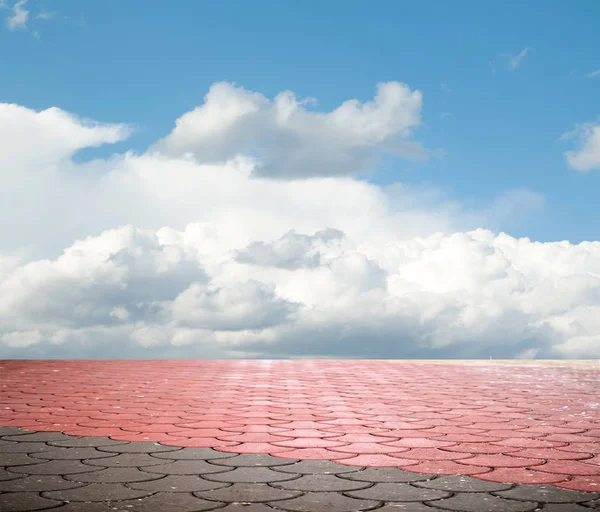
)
(291, 251)
(45, 15)
(19, 18)
(514, 61)
(288, 140)
(239, 306)
(168, 255)
(593, 74)
(587, 155)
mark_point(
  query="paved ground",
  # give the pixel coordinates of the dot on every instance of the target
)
(298, 436)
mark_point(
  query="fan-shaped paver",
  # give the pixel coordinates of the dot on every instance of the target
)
(485, 432)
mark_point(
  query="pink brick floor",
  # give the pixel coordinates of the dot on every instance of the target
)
(514, 424)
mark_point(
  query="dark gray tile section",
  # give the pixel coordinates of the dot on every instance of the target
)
(547, 494)
(483, 502)
(53, 471)
(24, 501)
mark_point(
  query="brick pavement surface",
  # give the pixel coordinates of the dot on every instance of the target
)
(298, 436)
(139, 476)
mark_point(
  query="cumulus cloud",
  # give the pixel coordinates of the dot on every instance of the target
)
(20, 16)
(172, 254)
(291, 251)
(586, 157)
(289, 140)
(241, 306)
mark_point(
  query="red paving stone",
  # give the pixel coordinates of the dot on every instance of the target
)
(514, 424)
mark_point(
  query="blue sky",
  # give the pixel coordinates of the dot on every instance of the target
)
(168, 198)
(146, 63)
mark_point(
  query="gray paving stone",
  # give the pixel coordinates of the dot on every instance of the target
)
(37, 437)
(55, 467)
(161, 502)
(462, 484)
(17, 459)
(386, 475)
(37, 483)
(248, 493)
(113, 475)
(563, 507)
(186, 467)
(178, 483)
(24, 447)
(313, 483)
(137, 460)
(316, 467)
(326, 502)
(97, 492)
(98, 506)
(252, 507)
(194, 454)
(250, 475)
(58, 453)
(11, 431)
(593, 504)
(547, 494)
(411, 506)
(24, 501)
(7, 475)
(398, 492)
(483, 502)
(259, 459)
(138, 447)
(81, 442)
